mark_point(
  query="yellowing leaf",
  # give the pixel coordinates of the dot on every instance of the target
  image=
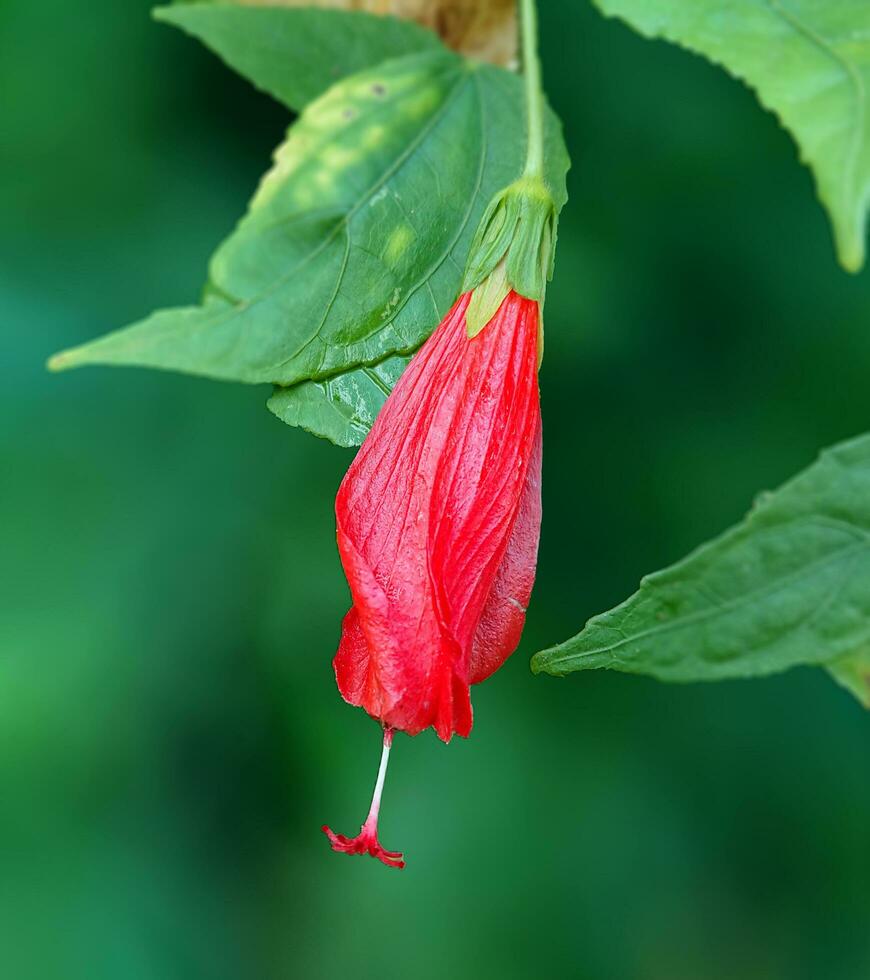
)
(853, 673)
(355, 243)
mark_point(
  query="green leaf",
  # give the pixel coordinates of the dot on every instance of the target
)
(343, 408)
(788, 586)
(809, 63)
(354, 246)
(853, 673)
(296, 54)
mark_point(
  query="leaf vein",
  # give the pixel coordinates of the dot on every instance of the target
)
(729, 606)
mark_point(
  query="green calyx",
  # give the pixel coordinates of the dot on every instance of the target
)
(513, 249)
(519, 226)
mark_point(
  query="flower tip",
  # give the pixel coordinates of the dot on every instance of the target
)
(366, 842)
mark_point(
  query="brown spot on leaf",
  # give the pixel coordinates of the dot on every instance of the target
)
(484, 29)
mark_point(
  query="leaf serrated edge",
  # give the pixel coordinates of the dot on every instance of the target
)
(850, 249)
(548, 660)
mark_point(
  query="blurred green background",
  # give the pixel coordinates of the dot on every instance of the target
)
(171, 738)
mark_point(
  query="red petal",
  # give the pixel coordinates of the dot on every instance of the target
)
(501, 625)
(426, 514)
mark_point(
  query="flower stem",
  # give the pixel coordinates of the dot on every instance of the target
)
(534, 92)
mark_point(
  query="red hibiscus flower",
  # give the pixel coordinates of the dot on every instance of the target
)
(438, 524)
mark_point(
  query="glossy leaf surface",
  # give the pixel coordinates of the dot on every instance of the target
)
(354, 245)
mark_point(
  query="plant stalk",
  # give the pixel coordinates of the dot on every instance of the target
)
(534, 91)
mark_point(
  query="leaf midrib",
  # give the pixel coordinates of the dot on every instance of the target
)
(462, 79)
(726, 607)
(343, 224)
(316, 375)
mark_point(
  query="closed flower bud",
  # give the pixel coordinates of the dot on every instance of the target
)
(438, 524)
